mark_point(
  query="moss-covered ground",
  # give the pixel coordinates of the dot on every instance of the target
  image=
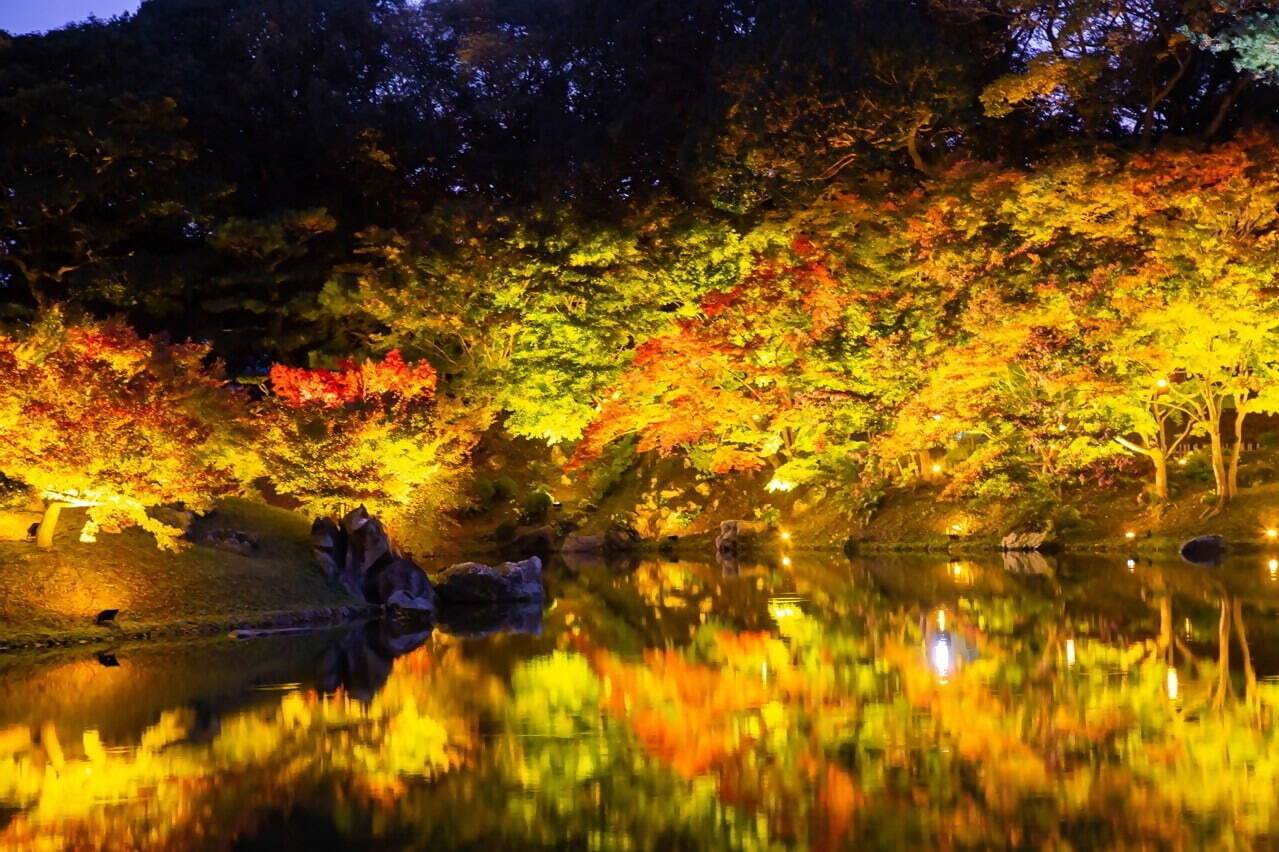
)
(58, 593)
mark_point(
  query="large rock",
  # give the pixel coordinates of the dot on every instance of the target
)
(328, 546)
(613, 541)
(1204, 550)
(531, 541)
(368, 547)
(736, 536)
(475, 582)
(577, 543)
(1027, 541)
(357, 555)
(401, 584)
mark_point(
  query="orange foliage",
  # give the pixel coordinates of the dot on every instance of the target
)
(299, 386)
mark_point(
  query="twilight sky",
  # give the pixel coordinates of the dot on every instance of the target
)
(24, 16)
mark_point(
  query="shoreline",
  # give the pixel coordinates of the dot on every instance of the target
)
(317, 618)
(20, 638)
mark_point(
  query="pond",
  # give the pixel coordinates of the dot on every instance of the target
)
(821, 704)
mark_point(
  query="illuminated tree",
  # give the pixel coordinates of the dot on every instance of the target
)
(369, 434)
(93, 415)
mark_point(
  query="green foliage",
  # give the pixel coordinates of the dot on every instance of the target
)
(1251, 40)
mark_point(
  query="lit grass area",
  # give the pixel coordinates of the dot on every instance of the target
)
(56, 594)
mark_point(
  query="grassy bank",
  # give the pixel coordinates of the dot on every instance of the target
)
(1085, 521)
(48, 595)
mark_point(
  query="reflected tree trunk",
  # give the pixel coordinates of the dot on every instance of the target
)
(1249, 673)
(1223, 688)
(1165, 625)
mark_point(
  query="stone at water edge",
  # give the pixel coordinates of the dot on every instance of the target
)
(328, 545)
(583, 544)
(531, 541)
(1027, 541)
(475, 582)
(614, 541)
(401, 584)
(357, 555)
(1204, 550)
(735, 536)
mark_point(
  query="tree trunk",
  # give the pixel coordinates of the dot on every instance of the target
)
(44, 535)
(1232, 475)
(1160, 461)
(1218, 460)
(1223, 110)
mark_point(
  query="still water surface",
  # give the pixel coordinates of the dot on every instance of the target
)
(824, 704)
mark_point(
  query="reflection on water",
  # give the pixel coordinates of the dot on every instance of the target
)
(684, 705)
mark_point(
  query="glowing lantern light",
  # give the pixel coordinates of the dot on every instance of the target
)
(1161, 383)
(786, 561)
(1272, 533)
(1132, 563)
(936, 468)
(1173, 685)
(1130, 535)
(1070, 652)
(785, 536)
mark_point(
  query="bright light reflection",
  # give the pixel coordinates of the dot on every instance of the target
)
(940, 657)
(782, 609)
(1173, 686)
(1070, 652)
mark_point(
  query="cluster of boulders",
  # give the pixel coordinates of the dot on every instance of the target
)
(611, 542)
(357, 555)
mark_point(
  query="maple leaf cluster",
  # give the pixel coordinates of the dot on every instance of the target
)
(95, 415)
(391, 377)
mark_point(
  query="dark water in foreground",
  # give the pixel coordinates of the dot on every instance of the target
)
(823, 704)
